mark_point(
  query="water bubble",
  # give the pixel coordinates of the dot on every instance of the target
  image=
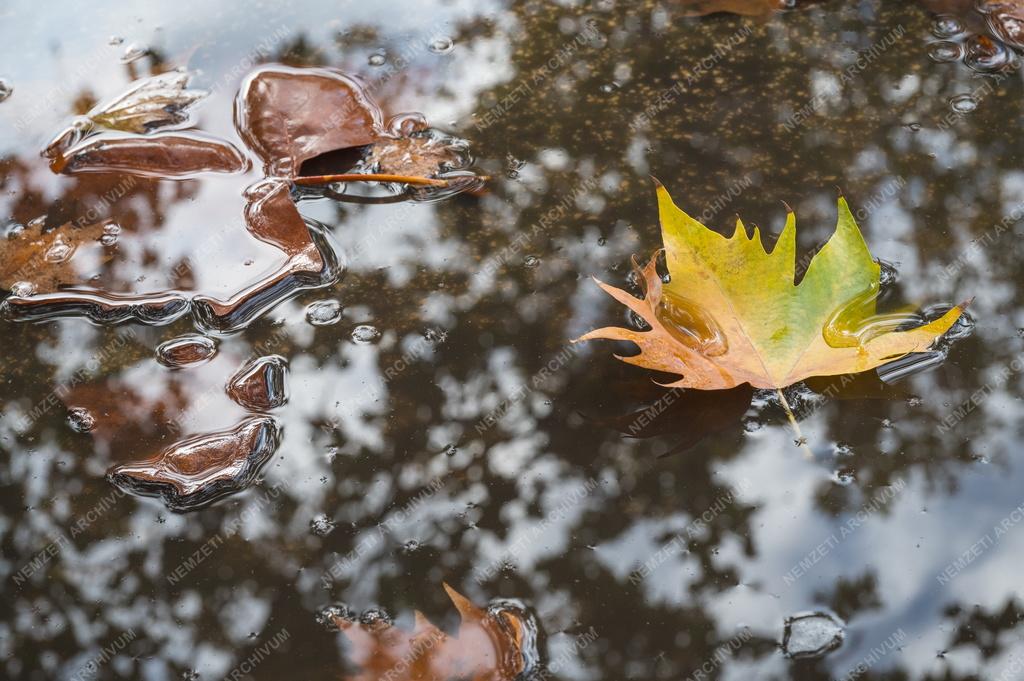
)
(450, 450)
(81, 420)
(115, 40)
(375, 619)
(185, 350)
(377, 59)
(323, 312)
(190, 675)
(364, 334)
(6, 89)
(963, 104)
(602, 241)
(986, 55)
(945, 51)
(947, 26)
(411, 546)
(133, 53)
(14, 230)
(913, 127)
(435, 335)
(843, 476)
(110, 233)
(812, 634)
(442, 45)
(59, 251)
(327, 617)
(321, 525)
(23, 289)
(531, 261)
(609, 88)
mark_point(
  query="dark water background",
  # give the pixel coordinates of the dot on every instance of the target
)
(391, 477)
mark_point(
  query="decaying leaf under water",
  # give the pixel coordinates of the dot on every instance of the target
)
(732, 313)
(39, 261)
(170, 155)
(271, 217)
(742, 7)
(204, 468)
(149, 104)
(489, 647)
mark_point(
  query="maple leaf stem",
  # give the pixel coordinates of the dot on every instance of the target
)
(800, 439)
(368, 177)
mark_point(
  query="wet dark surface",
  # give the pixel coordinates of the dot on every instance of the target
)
(439, 427)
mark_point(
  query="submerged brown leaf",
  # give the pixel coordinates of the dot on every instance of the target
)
(203, 468)
(177, 155)
(697, 8)
(489, 647)
(37, 261)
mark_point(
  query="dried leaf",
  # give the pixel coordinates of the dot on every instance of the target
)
(732, 313)
(42, 262)
(289, 115)
(159, 101)
(151, 103)
(178, 155)
(420, 155)
(489, 647)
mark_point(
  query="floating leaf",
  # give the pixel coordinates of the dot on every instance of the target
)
(732, 313)
(178, 155)
(489, 647)
(38, 261)
(151, 103)
(422, 155)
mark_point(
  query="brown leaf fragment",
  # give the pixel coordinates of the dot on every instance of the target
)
(152, 103)
(198, 470)
(158, 101)
(177, 155)
(489, 647)
(35, 261)
(260, 384)
(418, 155)
(272, 217)
(289, 115)
(750, 8)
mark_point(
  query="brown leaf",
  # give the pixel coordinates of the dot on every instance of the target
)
(44, 261)
(270, 216)
(289, 115)
(698, 8)
(420, 155)
(260, 384)
(196, 471)
(159, 101)
(487, 648)
(178, 155)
